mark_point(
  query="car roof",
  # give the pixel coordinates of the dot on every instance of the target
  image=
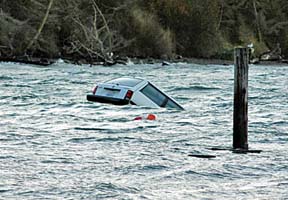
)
(126, 81)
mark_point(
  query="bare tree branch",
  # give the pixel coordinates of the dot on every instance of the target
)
(106, 25)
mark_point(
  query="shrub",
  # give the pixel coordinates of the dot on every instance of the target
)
(151, 39)
(13, 35)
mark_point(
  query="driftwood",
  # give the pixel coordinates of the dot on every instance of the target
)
(274, 55)
(92, 45)
(95, 40)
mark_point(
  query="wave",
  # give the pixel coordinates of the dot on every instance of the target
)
(194, 88)
(95, 139)
(5, 78)
(90, 129)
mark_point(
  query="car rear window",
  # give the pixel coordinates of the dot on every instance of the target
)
(130, 82)
(159, 98)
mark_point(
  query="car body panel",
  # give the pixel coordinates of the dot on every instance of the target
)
(146, 94)
(109, 90)
(100, 99)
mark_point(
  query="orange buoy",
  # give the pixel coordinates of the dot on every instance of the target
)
(148, 117)
(151, 117)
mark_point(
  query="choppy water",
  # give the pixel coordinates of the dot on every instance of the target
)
(56, 145)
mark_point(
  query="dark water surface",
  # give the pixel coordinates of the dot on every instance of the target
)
(56, 145)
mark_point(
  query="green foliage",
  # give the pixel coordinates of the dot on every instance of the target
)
(194, 24)
(150, 28)
(261, 22)
(13, 35)
(151, 38)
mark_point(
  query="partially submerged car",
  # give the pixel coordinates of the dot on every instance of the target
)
(135, 91)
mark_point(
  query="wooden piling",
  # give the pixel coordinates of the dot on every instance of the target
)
(240, 115)
(240, 112)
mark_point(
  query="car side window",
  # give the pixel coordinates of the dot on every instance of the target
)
(171, 104)
(159, 98)
(154, 94)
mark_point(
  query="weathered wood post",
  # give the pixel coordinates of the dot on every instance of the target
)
(240, 115)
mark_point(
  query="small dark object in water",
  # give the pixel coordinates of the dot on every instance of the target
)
(201, 156)
(220, 149)
(237, 150)
(164, 63)
(244, 151)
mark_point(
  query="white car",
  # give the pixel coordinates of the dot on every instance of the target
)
(135, 91)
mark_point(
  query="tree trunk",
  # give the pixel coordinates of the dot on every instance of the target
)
(257, 22)
(35, 38)
(221, 15)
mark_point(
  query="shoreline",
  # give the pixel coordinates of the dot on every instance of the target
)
(126, 60)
